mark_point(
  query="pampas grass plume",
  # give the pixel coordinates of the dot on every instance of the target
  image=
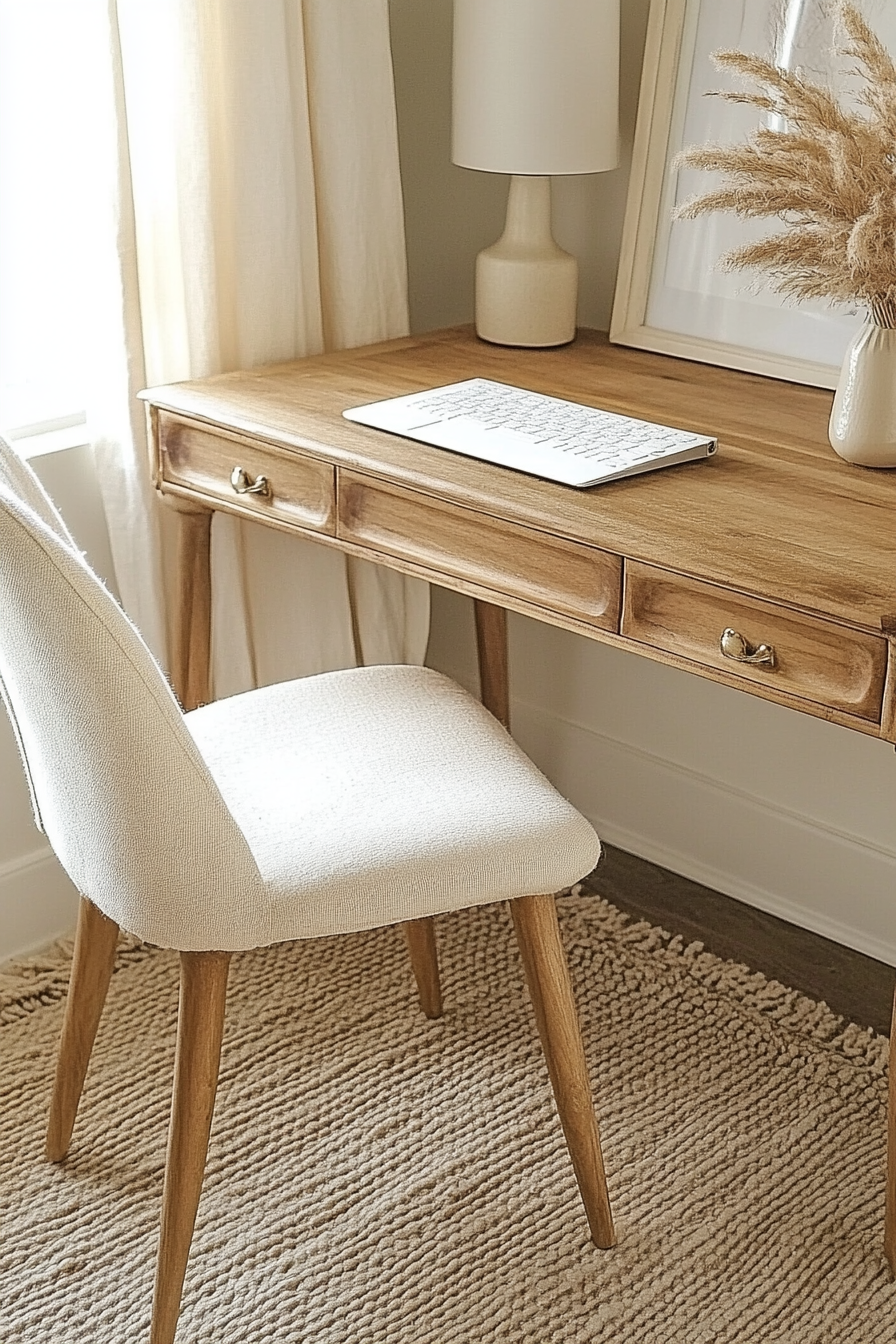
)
(829, 176)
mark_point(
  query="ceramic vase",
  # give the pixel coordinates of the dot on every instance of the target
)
(863, 419)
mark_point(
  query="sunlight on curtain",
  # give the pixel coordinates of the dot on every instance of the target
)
(47, 115)
(66, 240)
(203, 186)
(269, 225)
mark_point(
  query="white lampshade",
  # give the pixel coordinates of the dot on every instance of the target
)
(536, 86)
(535, 94)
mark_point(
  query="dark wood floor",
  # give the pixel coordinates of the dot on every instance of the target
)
(855, 986)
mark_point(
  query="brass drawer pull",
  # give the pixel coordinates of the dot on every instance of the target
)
(243, 483)
(734, 646)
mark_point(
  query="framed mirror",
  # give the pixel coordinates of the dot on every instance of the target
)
(671, 296)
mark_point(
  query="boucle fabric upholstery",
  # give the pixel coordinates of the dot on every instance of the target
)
(21, 481)
(383, 794)
(335, 803)
(123, 794)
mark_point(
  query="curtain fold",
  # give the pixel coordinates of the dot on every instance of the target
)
(118, 369)
(258, 146)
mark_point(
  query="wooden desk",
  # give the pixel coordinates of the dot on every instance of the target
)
(774, 537)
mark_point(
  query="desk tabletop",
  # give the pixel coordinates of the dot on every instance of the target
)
(775, 513)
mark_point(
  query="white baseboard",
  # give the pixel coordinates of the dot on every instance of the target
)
(37, 902)
(772, 902)
(834, 883)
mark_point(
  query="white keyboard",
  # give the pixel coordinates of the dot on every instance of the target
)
(544, 436)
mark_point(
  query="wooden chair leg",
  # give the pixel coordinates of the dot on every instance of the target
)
(203, 991)
(96, 940)
(421, 940)
(547, 974)
(890, 1215)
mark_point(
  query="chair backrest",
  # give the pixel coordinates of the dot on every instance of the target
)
(20, 480)
(118, 784)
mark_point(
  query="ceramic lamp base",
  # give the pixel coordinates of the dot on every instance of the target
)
(526, 286)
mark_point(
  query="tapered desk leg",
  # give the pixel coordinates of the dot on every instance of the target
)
(888, 732)
(890, 1216)
(190, 655)
(491, 639)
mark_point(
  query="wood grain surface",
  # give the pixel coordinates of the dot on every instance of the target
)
(775, 516)
(301, 489)
(538, 567)
(820, 660)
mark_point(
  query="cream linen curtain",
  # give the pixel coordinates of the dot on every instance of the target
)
(255, 216)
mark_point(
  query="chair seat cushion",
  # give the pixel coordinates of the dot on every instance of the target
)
(383, 794)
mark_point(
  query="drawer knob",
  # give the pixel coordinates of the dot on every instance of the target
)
(243, 483)
(734, 646)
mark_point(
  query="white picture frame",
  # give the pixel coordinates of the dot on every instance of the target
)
(670, 295)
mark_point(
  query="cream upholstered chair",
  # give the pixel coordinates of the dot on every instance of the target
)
(336, 803)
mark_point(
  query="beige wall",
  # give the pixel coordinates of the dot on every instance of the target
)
(785, 812)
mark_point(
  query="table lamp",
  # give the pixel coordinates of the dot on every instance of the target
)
(535, 94)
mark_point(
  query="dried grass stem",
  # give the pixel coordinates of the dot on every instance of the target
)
(829, 177)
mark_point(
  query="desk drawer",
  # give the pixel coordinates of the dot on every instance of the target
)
(301, 490)
(815, 659)
(515, 561)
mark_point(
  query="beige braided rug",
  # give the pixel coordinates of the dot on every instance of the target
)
(375, 1177)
